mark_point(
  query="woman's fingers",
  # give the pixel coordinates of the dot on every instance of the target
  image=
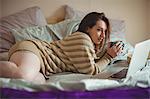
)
(119, 50)
(118, 47)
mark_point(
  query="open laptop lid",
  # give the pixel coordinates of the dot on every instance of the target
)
(139, 57)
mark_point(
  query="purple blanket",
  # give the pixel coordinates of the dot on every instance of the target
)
(117, 93)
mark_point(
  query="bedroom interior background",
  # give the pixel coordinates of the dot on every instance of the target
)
(149, 22)
(135, 13)
(0, 8)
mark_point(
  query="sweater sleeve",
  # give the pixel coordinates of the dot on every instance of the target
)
(85, 63)
(103, 62)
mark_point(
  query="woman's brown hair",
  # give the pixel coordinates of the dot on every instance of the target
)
(90, 20)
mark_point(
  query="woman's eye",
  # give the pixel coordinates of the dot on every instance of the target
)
(99, 29)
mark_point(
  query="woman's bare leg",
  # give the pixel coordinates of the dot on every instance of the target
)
(39, 79)
(23, 64)
(7, 69)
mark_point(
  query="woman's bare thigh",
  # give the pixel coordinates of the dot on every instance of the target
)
(27, 62)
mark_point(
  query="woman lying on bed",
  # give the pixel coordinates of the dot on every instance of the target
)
(86, 51)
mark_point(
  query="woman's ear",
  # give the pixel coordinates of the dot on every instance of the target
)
(88, 30)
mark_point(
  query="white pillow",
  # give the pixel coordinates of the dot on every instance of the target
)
(32, 16)
(72, 13)
(34, 32)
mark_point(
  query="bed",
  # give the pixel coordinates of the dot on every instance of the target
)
(31, 24)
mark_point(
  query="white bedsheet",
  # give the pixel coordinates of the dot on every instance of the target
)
(72, 81)
(84, 84)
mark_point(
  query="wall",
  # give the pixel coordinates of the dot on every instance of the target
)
(134, 12)
(149, 18)
(0, 8)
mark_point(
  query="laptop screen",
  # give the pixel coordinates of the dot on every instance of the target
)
(139, 57)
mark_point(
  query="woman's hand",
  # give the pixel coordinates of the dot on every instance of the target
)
(115, 50)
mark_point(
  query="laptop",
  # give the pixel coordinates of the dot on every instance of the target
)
(138, 61)
(139, 57)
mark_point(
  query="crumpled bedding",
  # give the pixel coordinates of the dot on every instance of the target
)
(71, 81)
(85, 84)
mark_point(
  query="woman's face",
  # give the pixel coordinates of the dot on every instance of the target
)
(98, 32)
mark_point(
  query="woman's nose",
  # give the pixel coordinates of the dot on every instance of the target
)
(103, 34)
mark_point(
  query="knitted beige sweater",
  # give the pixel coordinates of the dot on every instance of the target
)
(75, 53)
